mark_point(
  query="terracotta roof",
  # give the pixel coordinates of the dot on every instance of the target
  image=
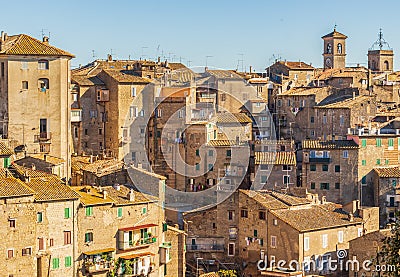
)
(210, 274)
(4, 150)
(87, 80)
(176, 66)
(265, 199)
(51, 188)
(26, 45)
(388, 172)
(4, 172)
(50, 159)
(78, 162)
(304, 91)
(296, 65)
(90, 196)
(125, 76)
(334, 34)
(290, 200)
(329, 144)
(120, 196)
(148, 173)
(25, 171)
(232, 118)
(103, 167)
(277, 158)
(221, 142)
(12, 187)
(313, 218)
(224, 74)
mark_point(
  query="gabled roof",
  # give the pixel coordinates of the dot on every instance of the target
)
(265, 199)
(224, 74)
(221, 142)
(334, 34)
(4, 150)
(276, 158)
(4, 173)
(290, 200)
(103, 167)
(345, 104)
(126, 76)
(232, 118)
(87, 80)
(314, 218)
(28, 172)
(329, 144)
(51, 188)
(388, 172)
(26, 45)
(90, 196)
(296, 65)
(13, 187)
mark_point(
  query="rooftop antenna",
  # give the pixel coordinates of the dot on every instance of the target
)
(207, 60)
(241, 60)
(158, 51)
(334, 27)
(43, 33)
(169, 55)
(93, 54)
(189, 62)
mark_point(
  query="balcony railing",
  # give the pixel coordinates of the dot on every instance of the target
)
(42, 137)
(320, 160)
(205, 247)
(138, 243)
(76, 115)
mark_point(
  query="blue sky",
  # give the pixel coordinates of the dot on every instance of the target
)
(228, 31)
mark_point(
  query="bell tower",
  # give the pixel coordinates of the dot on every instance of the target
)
(334, 50)
(380, 55)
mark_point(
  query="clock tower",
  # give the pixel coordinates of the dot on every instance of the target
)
(334, 50)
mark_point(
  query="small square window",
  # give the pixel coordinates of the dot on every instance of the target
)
(27, 251)
(89, 211)
(144, 210)
(210, 153)
(39, 217)
(312, 186)
(337, 185)
(24, 84)
(10, 253)
(337, 168)
(244, 213)
(345, 153)
(12, 223)
(262, 215)
(325, 167)
(88, 237)
(313, 167)
(197, 166)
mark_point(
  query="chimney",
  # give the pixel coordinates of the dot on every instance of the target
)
(251, 68)
(27, 179)
(33, 167)
(158, 60)
(109, 57)
(46, 40)
(104, 194)
(351, 217)
(131, 195)
(116, 186)
(45, 157)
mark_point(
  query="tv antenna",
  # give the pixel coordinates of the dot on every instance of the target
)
(241, 60)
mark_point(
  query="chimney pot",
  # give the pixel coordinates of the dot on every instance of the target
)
(131, 195)
(46, 40)
(104, 194)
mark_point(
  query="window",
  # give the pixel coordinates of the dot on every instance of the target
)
(86, 132)
(132, 112)
(363, 143)
(324, 186)
(273, 241)
(364, 180)
(197, 166)
(360, 232)
(119, 212)
(159, 112)
(313, 167)
(100, 131)
(341, 120)
(279, 103)
(89, 211)
(41, 243)
(262, 215)
(144, 210)
(68, 261)
(231, 249)
(312, 119)
(390, 144)
(74, 97)
(210, 167)
(12, 223)
(378, 142)
(286, 167)
(92, 114)
(39, 217)
(27, 251)
(337, 168)
(255, 233)
(67, 212)
(88, 237)
(67, 237)
(306, 243)
(24, 65)
(339, 48)
(324, 241)
(275, 222)
(345, 154)
(210, 153)
(324, 120)
(43, 84)
(340, 236)
(197, 152)
(133, 92)
(325, 167)
(387, 161)
(51, 242)
(286, 179)
(56, 263)
(24, 85)
(244, 213)
(43, 64)
(363, 162)
(312, 185)
(264, 167)
(378, 161)
(10, 253)
(229, 153)
(264, 179)
(231, 215)
(337, 185)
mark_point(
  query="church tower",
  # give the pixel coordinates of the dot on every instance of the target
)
(334, 50)
(380, 55)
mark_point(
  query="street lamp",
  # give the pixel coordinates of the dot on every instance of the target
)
(197, 266)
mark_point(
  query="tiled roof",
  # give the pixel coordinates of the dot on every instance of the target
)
(4, 172)
(120, 196)
(210, 274)
(87, 80)
(278, 158)
(25, 171)
(265, 199)
(78, 162)
(388, 172)
(4, 150)
(290, 200)
(176, 66)
(91, 196)
(50, 159)
(51, 188)
(313, 218)
(221, 142)
(346, 104)
(224, 74)
(232, 118)
(335, 34)
(329, 144)
(304, 91)
(103, 167)
(125, 76)
(12, 187)
(296, 65)
(25, 45)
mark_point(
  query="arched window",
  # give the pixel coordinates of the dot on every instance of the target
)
(43, 64)
(386, 63)
(339, 48)
(329, 48)
(43, 84)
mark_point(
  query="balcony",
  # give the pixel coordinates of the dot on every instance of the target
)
(205, 248)
(76, 115)
(42, 137)
(136, 237)
(320, 160)
(99, 261)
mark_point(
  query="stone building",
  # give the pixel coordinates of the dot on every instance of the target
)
(347, 77)
(331, 169)
(43, 162)
(177, 265)
(334, 50)
(40, 73)
(380, 56)
(5, 155)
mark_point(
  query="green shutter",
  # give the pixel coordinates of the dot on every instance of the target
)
(391, 142)
(378, 161)
(363, 143)
(7, 162)
(144, 210)
(89, 211)
(228, 153)
(312, 185)
(87, 237)
(378, 142)
(364, 162)
(67, 213)
(165, 227)
(68, 261)
(56, 263)
(39, 217)
(119, 212)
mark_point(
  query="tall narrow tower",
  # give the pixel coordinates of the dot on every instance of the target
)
(380, 55)
(334, 50)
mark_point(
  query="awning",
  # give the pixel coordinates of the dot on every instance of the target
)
(138, 227)
(94, 252)
(137, 255)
